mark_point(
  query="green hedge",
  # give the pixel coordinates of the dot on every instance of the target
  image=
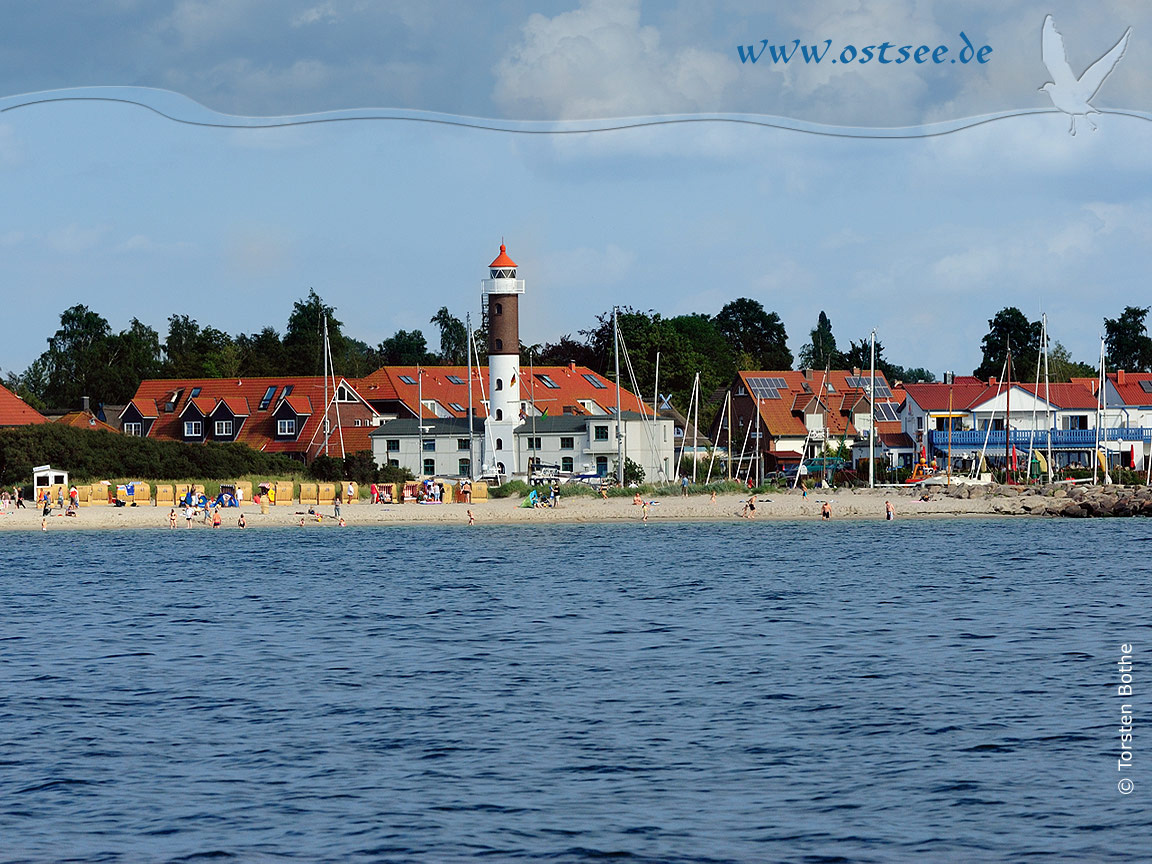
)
(89, 455)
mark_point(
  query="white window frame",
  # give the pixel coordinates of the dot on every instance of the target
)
(193, 428)
(286, 427)
(223, 428)
(135, 430)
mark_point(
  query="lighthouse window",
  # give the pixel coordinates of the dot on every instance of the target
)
(499, 443)
(499, 309)
(499, 414)
(499, 344)
(499, 381)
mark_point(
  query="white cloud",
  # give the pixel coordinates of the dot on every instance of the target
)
(73, 239)
(598, 61)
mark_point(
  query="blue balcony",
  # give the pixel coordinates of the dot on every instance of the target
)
(1065, 439)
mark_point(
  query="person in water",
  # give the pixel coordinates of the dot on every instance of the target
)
(889, 512)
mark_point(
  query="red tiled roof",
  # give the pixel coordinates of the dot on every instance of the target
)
(1131, 391)
(257, 428)
(934, 397)
(203, 404)
(14, 411)
(300, 404)
(145, 408)
(1063, 394)
(85, 420)
(785, 417)
(237, 405)
(571, 387)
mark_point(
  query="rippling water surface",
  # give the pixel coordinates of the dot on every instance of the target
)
(938, 691)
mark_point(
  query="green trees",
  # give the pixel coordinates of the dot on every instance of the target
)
(453, 337)
(1010, 328)
(1127, 342)
(821, 351)
(755, 336)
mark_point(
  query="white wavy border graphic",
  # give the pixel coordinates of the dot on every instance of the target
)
(181, 109)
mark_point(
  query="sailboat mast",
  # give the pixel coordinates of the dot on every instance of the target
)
(1049, 414)
(327, 404)
(471, 434)
(1008, 478)
(619, 431)
(872, 419)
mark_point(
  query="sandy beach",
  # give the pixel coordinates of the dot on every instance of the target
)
(844, 504)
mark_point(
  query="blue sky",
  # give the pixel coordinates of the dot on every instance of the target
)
(115, 206)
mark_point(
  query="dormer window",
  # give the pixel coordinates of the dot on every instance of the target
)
(193, 428)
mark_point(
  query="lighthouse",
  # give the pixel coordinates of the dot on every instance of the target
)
(501, 293)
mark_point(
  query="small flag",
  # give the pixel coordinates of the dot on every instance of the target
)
(544, 413)
(512, 380)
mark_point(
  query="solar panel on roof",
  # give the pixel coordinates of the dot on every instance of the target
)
(886, 412)
(1147, 386)
(762, 388)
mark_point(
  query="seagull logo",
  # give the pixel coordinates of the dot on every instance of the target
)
(1070, 94)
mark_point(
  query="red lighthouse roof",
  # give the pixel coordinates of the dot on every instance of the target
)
(502, 262)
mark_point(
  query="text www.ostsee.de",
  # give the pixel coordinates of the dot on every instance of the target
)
(883, 54)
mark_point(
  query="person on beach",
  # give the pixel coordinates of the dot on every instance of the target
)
(74, 496)
(172, 518)
(336, 504)
(712, 497)
(825, 510)
(216, 518)
(189, 513)
(47, 505)
(19, 499)
(684, 486)
(889, 512)
(752, 506)
(44, 523)
(554, 495)
(375, 493)
(646, 507)
(241, 523)
(60, 498)
(604, 492)
(342, 522)
(471, 518)
(636, 502)
(301, 521)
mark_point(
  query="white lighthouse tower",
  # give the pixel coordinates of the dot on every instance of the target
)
(501, 292)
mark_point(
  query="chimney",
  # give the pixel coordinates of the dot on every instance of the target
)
(84, 405)
(856, 371)
(992, 381)
(571, 365)
(1119, 377)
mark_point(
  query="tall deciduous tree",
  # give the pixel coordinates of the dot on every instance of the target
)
(453, 337)
(1010, 328)
(821, 351)
(757, 337)
(405, 348)
(304, 337)
(1127, 342)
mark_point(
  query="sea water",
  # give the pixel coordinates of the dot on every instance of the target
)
(939, 690)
